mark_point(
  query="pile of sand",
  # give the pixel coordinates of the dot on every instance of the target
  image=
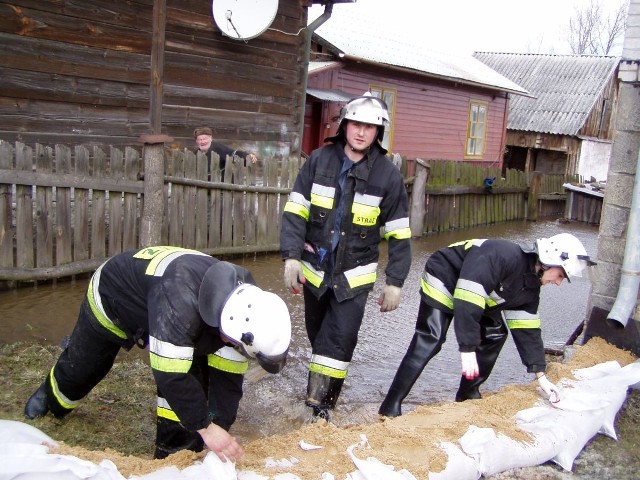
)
(410, 441)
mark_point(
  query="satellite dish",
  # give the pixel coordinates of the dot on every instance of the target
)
(243, 19)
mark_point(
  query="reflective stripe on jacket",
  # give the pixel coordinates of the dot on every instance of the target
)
(152, 294)
(470, 277)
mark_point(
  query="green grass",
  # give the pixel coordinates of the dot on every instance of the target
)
(118, 414)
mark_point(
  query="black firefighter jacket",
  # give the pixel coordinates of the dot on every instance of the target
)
(471, 277)
(151, 295)
(374, 198)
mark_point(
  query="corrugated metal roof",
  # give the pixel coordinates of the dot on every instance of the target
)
(358, 41)
(565, 88)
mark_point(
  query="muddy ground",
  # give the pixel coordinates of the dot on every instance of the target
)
(119, 417)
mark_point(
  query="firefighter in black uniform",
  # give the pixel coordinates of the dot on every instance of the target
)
(346, 194)
(201, 318)
(483, 283)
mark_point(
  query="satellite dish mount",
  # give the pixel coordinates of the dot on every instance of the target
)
(243, 19)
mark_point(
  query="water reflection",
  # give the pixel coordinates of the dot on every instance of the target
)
(275, 403)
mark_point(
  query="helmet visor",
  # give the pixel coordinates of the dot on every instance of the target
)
(272, 363)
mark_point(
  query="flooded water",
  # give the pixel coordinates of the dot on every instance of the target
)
(275, 404)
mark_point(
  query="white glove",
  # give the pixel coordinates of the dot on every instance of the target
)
(389, 298)
(550, 390)
(470, 368)
(293, 277)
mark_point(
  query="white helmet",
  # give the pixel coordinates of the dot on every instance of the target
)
(565, 251)
(366, 109)
(259, 323)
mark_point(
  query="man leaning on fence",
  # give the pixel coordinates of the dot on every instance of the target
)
(204, 140)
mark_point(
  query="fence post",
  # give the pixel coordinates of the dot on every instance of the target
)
(416, 218)
(532, 200)
(151, 222)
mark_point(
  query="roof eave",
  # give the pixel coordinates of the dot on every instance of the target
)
(462, 81)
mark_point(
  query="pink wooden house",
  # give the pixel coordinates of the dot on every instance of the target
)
(442, 107)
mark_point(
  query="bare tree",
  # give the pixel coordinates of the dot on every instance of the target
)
(593, 33)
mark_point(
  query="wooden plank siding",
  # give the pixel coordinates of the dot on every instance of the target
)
(75, 72)
(600, 122)
(431, 115)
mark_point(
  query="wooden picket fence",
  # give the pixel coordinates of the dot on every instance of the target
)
(64, 210)
(456, 196)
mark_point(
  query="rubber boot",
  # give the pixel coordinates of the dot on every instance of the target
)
(494, 334)
(171, 437)
(43, 401)
(431, 331)
(322, 394)
(38, 403)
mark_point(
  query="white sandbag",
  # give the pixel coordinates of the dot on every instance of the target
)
(210, 468)
(372, 468)
(569, 431)
(558, 435)
(55, 467)
(20, 432)
(635, 366)
(459, 466)
(598, 393)
(630, 374)
(22, 449)
(495, 453)
(597, 371)
(582, 427)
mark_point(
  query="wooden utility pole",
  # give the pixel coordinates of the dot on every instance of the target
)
(153, 156)
(151, 222)
(416, 219)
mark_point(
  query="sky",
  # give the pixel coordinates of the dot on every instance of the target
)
(462, 27)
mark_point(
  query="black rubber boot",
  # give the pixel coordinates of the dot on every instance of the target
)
(494, 334)
(171, 437)
(431, 332)
(322, 394)
(44, 401)
(38, 404)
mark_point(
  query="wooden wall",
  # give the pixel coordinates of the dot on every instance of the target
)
(600, 123)
(78, 72)
(430, 116)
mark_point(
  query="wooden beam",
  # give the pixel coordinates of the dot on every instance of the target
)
(157, 65)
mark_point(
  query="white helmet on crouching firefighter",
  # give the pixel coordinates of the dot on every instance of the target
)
(255, 321)
(365, 109)
(564, 251)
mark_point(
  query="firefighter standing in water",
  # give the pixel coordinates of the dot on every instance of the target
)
(345, 193)
(201, 318)
(483, 284)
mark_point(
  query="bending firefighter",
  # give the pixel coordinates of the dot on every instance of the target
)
(483, 283)
(201, 318)
(345, 194)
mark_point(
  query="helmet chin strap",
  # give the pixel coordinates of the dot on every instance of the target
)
(543, 268)
(355, 150)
